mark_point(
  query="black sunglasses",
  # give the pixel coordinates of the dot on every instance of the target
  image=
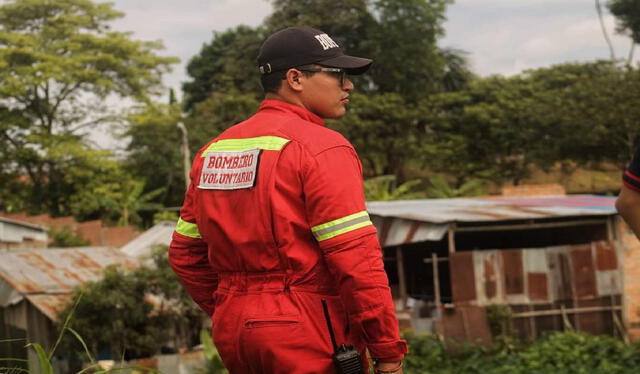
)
(339, 73)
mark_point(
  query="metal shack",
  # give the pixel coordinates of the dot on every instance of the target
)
(555, 261)
(35, 284)
(16, 234)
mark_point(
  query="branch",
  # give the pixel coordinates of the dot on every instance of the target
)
(90, 123)
(631, 50)
(604, 30)
(18, 146)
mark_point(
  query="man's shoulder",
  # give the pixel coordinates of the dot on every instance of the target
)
(313, 137)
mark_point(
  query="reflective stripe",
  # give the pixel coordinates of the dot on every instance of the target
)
(341, 225)
(188, 229)
(269, 143)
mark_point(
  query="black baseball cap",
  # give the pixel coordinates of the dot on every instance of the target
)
(303, 45)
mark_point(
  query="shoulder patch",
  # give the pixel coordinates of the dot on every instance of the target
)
(229, 170)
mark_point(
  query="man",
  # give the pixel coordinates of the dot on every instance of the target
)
(274, 221)
(628, 202)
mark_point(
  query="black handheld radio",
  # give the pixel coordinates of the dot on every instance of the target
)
(346, 359)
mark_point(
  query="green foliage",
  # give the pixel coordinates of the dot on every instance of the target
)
(58, 63)
(498, 316)
(216, 114)
(558, 353)
(214, 363)
(441, 189)
(132, 313)
(63, 237)
(382, 188)
(405, 38)
(226, 65)
(165, 215)
(627, 13)
(154, 151)
(384, 129)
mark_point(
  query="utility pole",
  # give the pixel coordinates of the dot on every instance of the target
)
(186, 158)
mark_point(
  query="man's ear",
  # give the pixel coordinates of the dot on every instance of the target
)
(294, 79)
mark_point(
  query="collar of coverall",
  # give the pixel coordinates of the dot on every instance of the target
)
(290, 108)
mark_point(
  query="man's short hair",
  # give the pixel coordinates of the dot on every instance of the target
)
(271, 83)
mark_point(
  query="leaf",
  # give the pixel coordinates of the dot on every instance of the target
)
(45, 364)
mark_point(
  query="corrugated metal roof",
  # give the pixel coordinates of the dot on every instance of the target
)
(50, 304)
(488, 209)
(55, 271)
(143, 244)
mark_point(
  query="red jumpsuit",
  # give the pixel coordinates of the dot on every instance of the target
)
(274, 221)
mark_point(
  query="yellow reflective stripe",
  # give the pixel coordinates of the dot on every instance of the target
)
(269, 143)
(187, 229)
(340, 226)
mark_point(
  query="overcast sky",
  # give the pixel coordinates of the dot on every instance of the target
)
(501, 36)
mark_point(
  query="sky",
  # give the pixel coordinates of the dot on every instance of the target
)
(500, 36)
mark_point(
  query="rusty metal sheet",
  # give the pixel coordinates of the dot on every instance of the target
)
(596, 323)
(50, 304)
(490, 278)
(583, 271)
(538, 285)
(513, 271)
(466, 324)
(609, 282)
(606, 258)
(57, 270)
(462, 276)
(560, 273)
(495, 208)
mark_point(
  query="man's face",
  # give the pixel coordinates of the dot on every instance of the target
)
(326, 94)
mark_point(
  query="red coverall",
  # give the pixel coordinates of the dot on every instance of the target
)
(274, 221)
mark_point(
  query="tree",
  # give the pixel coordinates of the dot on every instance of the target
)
(153, 151)
(134, 313)
(384, 131)
(226, 65)
(627, 13)
(59, 62)
(408, 60)
(216, 114)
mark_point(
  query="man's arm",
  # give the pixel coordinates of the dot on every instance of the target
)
(189, 255)
(337, 213)
(628, 205)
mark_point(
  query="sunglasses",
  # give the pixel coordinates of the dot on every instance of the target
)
(339, 73)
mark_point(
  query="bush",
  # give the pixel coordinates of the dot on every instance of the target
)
(557, 353)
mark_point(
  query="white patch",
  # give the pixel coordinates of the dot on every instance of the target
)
(229, 170)
(326, 41)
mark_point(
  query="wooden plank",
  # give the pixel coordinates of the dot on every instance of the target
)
(538, 286)
(583, 271)
(462, 276)
(402, 283)
(513, 271)
(606, 258)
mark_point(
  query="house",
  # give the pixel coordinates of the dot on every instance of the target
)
(36, 284)
(15, 234)
(143, 245)
(555, 261)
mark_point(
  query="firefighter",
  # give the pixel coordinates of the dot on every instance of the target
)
(274, 221)
(628, 201)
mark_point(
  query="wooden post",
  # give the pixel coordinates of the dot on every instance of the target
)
(452, 239)
(532, 324)
(402, 283)
(611, 234)
(436, 280)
